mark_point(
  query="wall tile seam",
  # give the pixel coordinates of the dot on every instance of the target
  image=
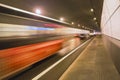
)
(102, 16)
(111, 16)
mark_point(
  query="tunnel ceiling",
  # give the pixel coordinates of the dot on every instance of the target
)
(77, 11)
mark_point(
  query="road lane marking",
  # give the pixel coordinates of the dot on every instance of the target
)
(52, 66)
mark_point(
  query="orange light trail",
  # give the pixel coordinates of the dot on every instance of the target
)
(15, 59)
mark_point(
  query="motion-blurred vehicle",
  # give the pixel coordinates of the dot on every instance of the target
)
(84, 36)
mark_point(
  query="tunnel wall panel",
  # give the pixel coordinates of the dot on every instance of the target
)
(110, 19)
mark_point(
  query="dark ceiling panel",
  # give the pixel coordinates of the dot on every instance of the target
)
(77, 11)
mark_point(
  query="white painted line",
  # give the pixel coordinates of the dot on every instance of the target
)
(52, 66)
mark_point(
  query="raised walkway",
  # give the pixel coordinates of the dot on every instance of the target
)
(94, 63)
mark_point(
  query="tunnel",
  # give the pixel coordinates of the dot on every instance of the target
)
(59, 40)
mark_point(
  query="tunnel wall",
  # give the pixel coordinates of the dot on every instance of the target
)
(110, 19)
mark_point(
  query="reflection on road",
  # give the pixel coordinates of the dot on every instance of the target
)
(69, 45)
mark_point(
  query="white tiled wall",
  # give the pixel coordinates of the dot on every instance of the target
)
(110, 19)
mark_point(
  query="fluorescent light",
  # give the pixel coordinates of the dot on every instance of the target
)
(38, 11)
(91, 10)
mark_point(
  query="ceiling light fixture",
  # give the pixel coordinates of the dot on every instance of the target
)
(94, 18)
(72, 23)
(61, 19)
(82, 26)
(91, 9)
(38, 11)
